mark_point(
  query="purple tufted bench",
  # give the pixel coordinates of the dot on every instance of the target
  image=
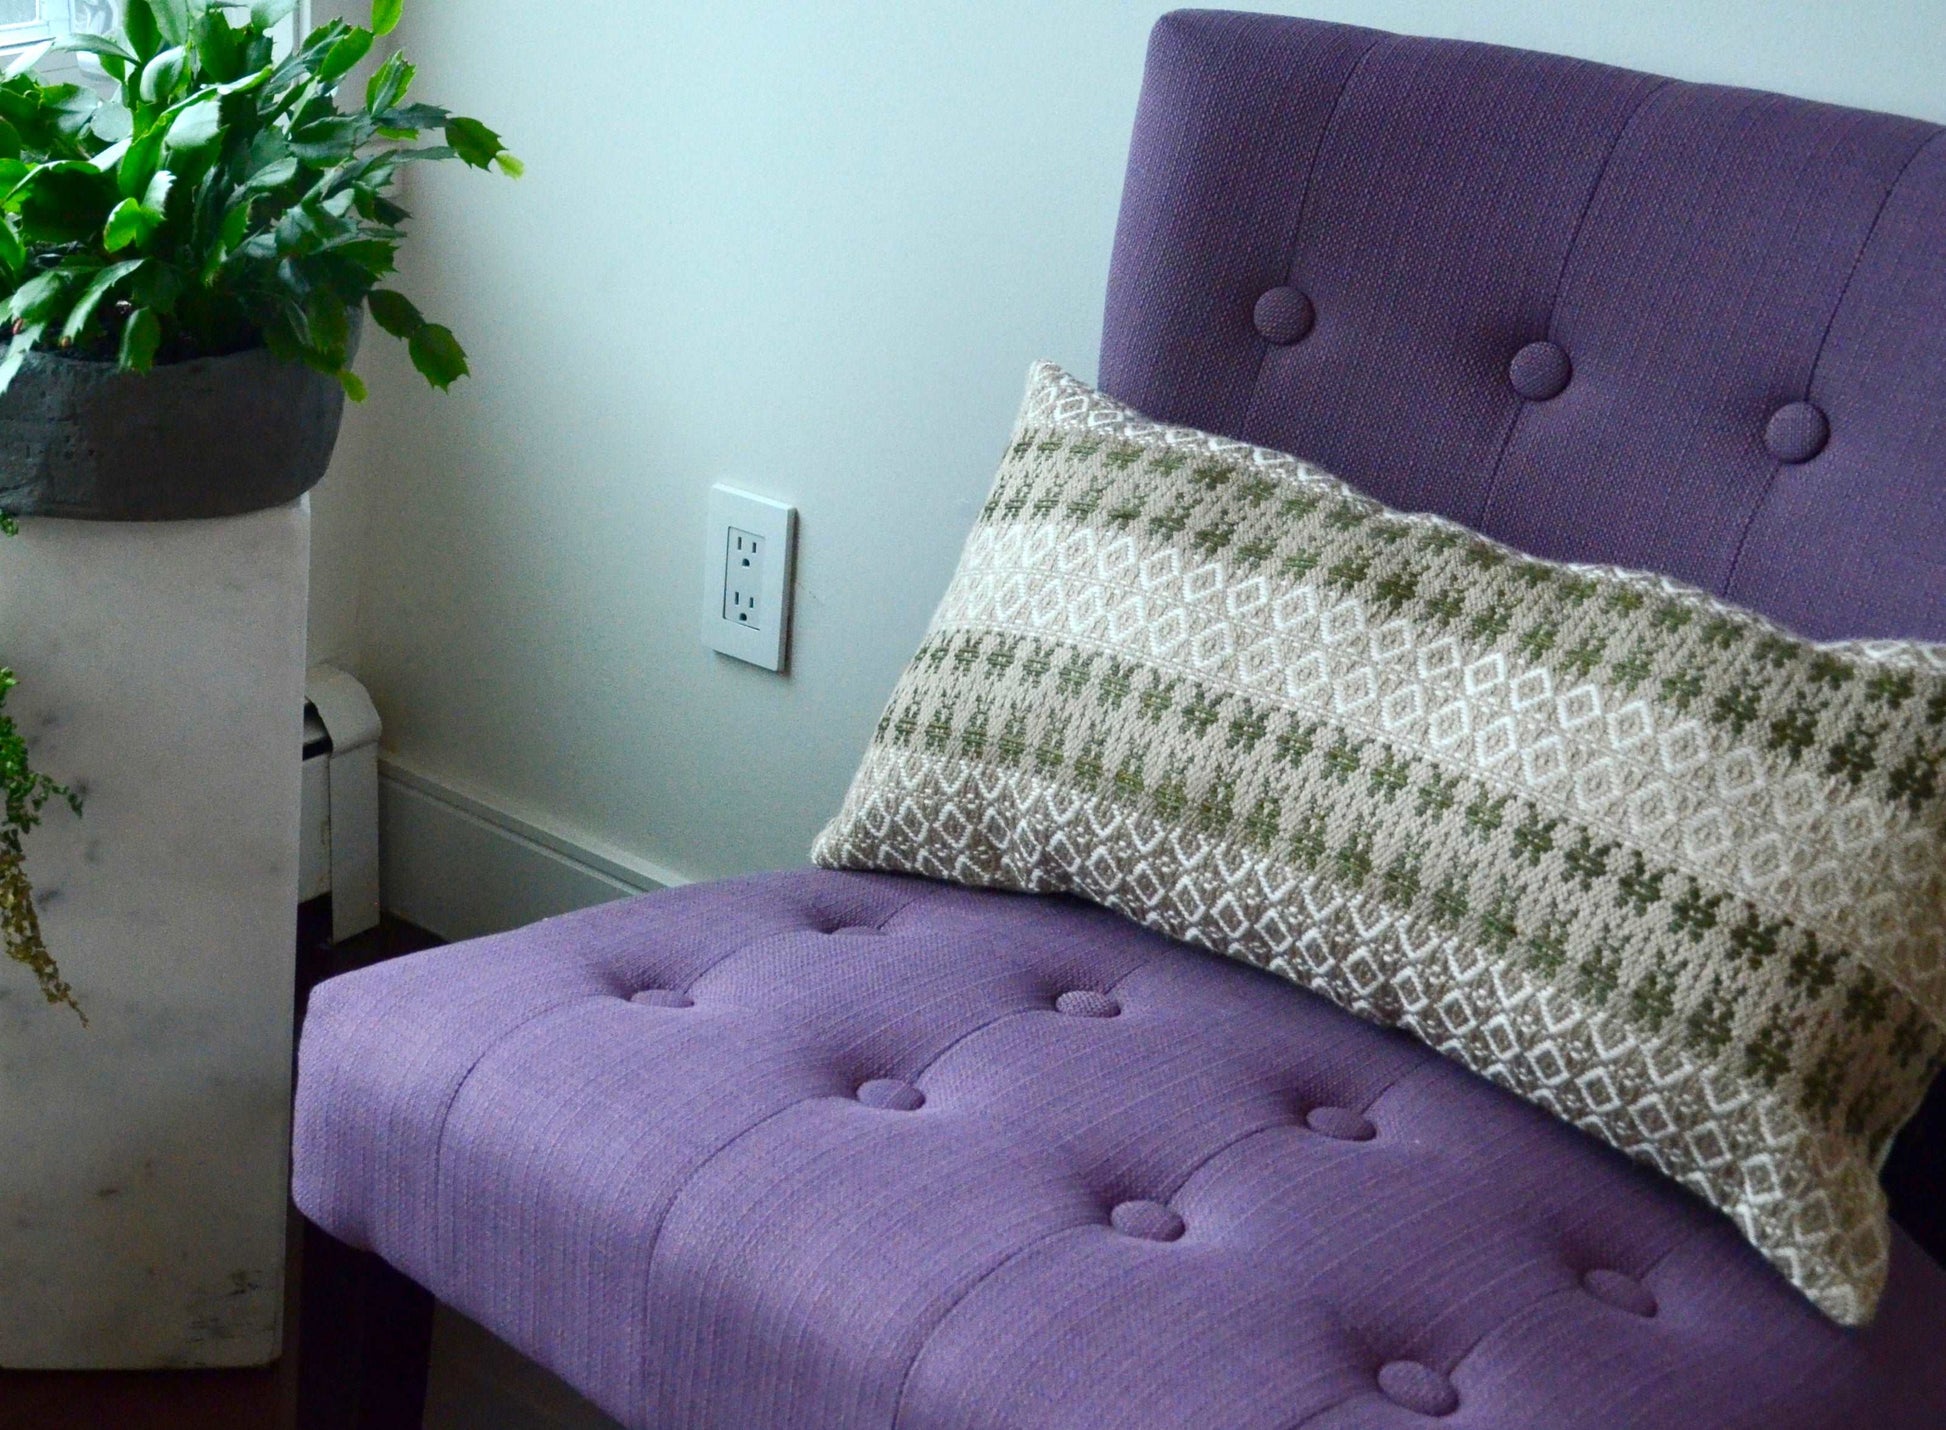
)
(838, 1150)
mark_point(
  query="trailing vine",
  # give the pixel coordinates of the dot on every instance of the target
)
(28, 793)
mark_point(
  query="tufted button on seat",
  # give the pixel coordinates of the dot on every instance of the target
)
(1624, 1293)
(1797, 432)
(1340, 1124)
(891, 1095)
(1285, 316)
(1540, 372)
(663, 998)
(1085, 1003)
(1418, 1388)
(1147, 1221)
(487, 1118)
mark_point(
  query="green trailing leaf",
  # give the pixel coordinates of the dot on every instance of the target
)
(162, 75)
(343, 57)
(110, 159)
(114, 123)
(100, 45)
(394, 312)
(172, 18)
(474, 142)
(196, 127)
(139, 26)
(34, 301)
(25, 339)
(267, 14)
(219, 47)
(386, 15)
(128, 224)
(61, 204)
(139, 164)
(141, 339)
(389, 85)
(155, 198)
(438, 355)
(157, 286)
(83, 312)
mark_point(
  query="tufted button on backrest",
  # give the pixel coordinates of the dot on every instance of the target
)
(1147, 1221)
(1418, 1388)
(1622, 1292)
(1447, 202)
(891, 1095)
(1341, 1124)
(663, 998)
(1797, 432)
(1284, 316)
(1086, 1003)
(1540, 372)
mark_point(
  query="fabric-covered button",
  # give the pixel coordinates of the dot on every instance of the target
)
(1624, 1293)
(663, 998)
(890, 1095)
(1147, 1221)
(1418, 1388)
(1085, 1003)
(1285, 316)
(1797, 432)
(1340, 1123)
(1540, 372)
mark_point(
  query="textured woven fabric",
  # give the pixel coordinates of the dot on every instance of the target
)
(691, 1213)
(1704, 258)
(1642, 857)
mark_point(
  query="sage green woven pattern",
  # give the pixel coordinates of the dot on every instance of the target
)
(1641, 857)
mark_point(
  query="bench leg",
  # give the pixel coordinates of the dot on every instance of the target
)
(364, 1341)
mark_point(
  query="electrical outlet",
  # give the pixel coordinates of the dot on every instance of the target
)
(748, 559)
(743, 579)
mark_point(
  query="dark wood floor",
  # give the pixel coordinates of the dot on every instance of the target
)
(324, 1311)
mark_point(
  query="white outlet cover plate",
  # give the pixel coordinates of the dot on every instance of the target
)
(767, 644)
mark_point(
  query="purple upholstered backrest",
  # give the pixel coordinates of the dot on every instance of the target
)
(1703, 257)
(1389, 254)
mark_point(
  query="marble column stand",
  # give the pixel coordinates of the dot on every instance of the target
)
(143, 1159)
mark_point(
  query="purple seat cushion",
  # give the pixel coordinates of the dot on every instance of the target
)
(879, 1152)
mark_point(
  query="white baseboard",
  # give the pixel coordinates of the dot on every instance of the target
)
(461, 864)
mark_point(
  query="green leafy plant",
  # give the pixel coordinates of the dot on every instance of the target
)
(221, 199)
(26, 794)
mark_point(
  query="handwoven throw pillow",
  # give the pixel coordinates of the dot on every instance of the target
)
(1643, 858)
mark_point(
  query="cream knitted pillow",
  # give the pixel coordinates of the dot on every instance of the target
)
(1649, 861)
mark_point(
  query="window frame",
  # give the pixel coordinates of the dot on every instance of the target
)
(57, 19)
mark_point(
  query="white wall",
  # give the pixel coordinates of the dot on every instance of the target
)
(811, 249)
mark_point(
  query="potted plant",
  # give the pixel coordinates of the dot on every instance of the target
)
(183, 266)
(185, 261)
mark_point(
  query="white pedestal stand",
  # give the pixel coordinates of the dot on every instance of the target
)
(143, 1160)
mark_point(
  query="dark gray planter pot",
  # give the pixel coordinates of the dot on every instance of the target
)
(211, 437)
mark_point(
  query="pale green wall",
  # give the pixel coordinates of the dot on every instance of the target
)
(810, 249)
